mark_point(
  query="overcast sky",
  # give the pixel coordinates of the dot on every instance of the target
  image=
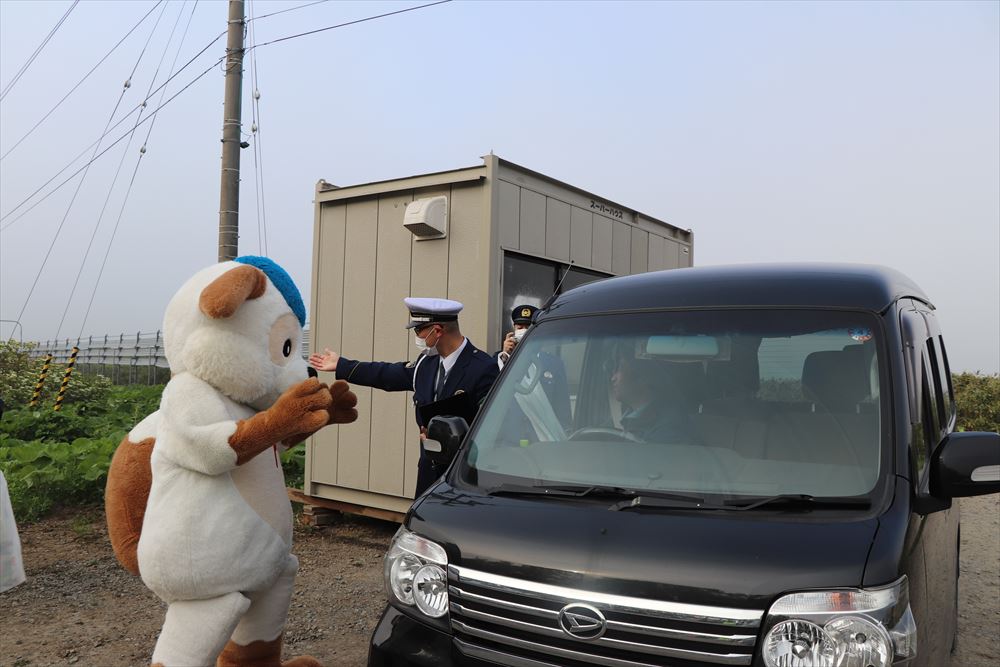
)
(858, 132)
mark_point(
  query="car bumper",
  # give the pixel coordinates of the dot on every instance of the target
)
(401, 641)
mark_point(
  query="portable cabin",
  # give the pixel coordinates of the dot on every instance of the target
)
(492, 236)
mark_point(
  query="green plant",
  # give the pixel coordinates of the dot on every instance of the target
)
(61, 458)
(977, 396)
(293, 462)
(19, 374)
(41, 475)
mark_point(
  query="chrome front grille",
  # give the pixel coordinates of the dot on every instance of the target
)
(518, 623)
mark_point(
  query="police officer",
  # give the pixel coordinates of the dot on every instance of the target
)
(551, 367)
(449, 364)
(521, 317)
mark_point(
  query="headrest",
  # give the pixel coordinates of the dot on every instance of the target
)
(837, 380)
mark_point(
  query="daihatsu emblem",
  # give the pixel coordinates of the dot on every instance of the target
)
(581, 621)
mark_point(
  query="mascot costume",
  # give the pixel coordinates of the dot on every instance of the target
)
(195, 500)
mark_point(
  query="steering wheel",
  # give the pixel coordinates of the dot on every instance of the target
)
(602, 434)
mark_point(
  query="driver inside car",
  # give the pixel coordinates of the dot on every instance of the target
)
(652, 409)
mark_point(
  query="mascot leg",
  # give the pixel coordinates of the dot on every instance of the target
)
(257, 639)
(195, 631)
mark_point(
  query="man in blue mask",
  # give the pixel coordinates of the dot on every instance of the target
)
(449, 364)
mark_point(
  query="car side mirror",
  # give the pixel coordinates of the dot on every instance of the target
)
(444, 437)
(966, 464)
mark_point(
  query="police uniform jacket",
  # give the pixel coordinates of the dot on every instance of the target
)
(473, 373)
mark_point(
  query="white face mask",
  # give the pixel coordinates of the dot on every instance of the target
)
(425, 348)
(519, 333)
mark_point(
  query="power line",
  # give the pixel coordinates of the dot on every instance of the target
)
(258, 157)
(128, 191)
(86, 168)
(138, 107)
(121, 138)
(274, 41)
(80, 82)
(31, 208)
(34, 55)
(290, 9)
(341, 25)
(114, 180)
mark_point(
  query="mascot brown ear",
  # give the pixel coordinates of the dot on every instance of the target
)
(226, 294)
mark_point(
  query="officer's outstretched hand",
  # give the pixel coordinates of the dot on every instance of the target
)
(324, 362)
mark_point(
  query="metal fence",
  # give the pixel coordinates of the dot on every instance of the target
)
(124, 358)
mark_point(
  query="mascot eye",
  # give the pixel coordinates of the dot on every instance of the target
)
(287, 349)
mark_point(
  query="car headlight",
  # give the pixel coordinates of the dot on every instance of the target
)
(416, 573)
(869, 627)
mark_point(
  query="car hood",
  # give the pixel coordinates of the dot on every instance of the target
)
(739, 559)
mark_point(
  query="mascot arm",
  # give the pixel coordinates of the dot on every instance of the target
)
(303, 409)
(195, 427)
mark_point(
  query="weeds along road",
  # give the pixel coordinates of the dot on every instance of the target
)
(79, 607)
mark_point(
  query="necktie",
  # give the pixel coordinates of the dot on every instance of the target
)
(439, 388)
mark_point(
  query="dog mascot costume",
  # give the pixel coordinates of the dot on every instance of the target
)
(196, 501)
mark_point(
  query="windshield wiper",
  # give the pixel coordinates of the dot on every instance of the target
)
(570, 490)
(658, 500)
(580, 490)
(643, 498)
(800, 501)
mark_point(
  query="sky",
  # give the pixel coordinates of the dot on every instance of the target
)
(777, 131)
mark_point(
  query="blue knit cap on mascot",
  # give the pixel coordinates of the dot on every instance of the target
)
(195, 500)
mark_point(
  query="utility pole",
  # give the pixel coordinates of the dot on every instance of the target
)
(229, 200)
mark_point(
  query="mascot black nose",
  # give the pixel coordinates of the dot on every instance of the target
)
(312, 372)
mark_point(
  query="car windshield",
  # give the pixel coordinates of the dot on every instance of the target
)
(727, 403)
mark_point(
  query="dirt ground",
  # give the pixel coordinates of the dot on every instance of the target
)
(80, 607)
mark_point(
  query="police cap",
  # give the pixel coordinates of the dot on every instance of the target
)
(522, 314)
(424, 311)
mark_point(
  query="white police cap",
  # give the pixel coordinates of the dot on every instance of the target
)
(424, 311)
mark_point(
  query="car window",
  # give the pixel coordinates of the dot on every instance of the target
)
(726, 402)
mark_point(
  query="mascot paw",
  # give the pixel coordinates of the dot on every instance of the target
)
(342, 402)
(303, 408)
(340, 410)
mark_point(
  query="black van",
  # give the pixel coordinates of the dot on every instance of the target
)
(756, 467)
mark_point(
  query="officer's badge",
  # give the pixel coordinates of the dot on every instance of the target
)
(547, 375)
(526, 312)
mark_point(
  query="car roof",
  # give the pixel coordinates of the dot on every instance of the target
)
(856, 286)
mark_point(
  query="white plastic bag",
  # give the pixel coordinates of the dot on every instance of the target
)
(11, 565)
